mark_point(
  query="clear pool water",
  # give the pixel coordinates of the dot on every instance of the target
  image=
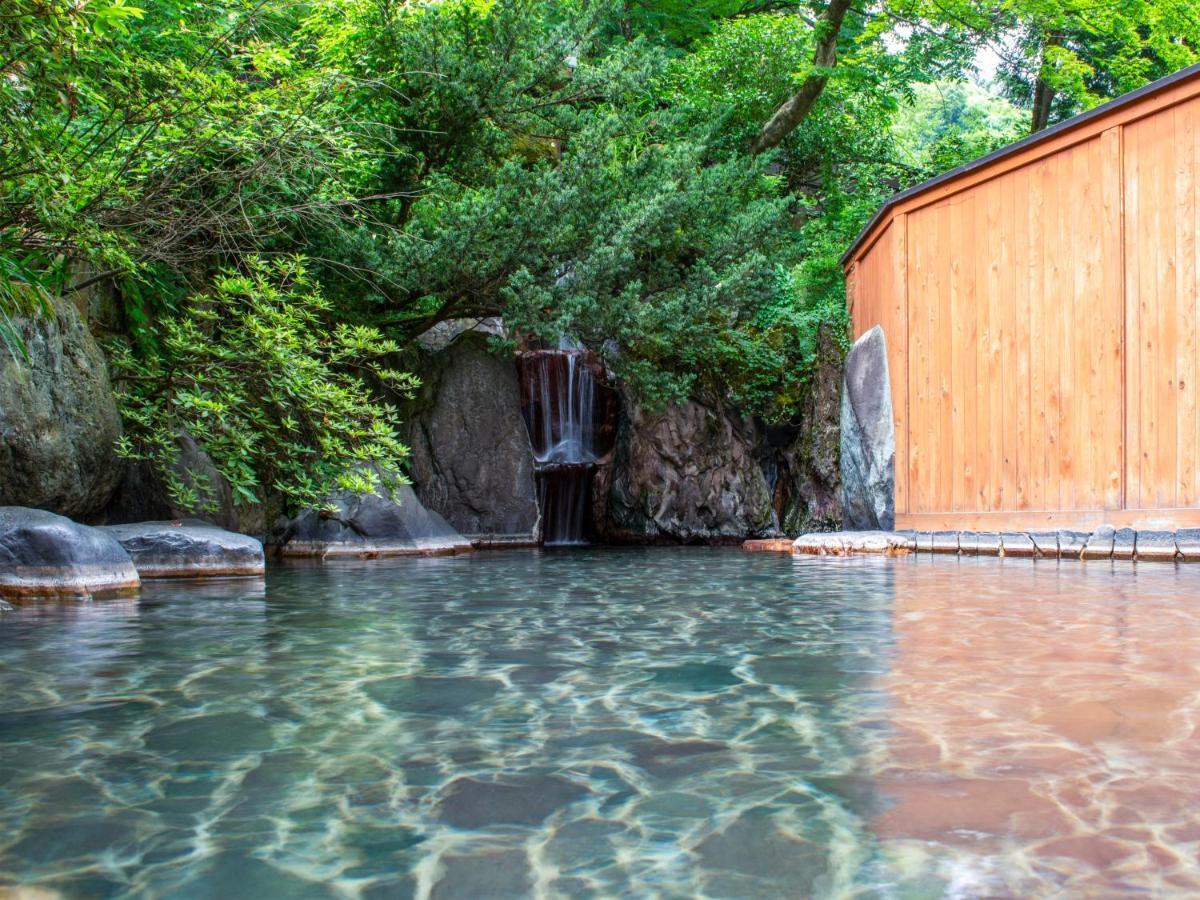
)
(670, 723)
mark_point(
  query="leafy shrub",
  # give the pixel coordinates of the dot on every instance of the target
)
(267, 387)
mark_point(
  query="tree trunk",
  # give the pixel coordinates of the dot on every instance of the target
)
(797, 107)
(1043, 93)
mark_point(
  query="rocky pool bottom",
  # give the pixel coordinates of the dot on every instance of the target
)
(696, 722)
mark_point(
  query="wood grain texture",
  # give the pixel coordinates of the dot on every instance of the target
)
(1043, 324)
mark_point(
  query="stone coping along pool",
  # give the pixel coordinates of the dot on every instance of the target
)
(1105, 542)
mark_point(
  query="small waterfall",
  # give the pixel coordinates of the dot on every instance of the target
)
(563, 405)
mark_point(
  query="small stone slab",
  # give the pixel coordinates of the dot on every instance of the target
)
(945, 542)
(820, 544)
(1156, 546)
(968, 543)
(987, 543)
(924, 541)
(1124, 543)
(768, 545)
(42, 554)
(1071, 543)
(1188, 542)
(1046, 543)
(188, 549)
(1100, 544)
(1017, 544)
(847, 543)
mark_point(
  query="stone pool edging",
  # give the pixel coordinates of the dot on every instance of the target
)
(1106, 542)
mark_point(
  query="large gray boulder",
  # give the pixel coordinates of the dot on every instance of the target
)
(369, 525)
(688, 473)
(43, 554)
(59, 424)
(471, 460)
(868, 438)
(191, 549)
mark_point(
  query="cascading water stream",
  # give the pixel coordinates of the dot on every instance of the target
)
(560, 406)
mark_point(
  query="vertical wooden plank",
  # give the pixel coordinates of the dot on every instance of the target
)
(942, 349)
(1134, 239)
(957, 402)
(1068, 263)
(1147, 249)
(1018, 189)
(1191, 224)
(918, 314)
(1184, 141)
(1080, 310)
(1037, 329)
(900, 356)
(969, 381)
(1109, 435)
(1052, 259)
(1166, 393)
(995, 381)
(1008, 361)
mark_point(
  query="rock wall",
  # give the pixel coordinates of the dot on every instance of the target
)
(472, 461)
(689, 473)
(58, 421)
(701, 471)
(141, 495)
(808, 455)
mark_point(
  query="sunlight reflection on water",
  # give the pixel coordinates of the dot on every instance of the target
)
(681, 722)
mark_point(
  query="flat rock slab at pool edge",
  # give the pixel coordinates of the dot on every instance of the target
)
(188, 549)
(847, 543)
(1105, 542)
(42, 554)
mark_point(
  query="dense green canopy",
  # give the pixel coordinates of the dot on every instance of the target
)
(593, 167)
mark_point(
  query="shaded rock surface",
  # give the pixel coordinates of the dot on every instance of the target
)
(58, 421)
(368, 524)
(46, 554)
(807, 491)
(868, 442)
(472, 462)
(188, 549)
(688, 473)
(142, 496)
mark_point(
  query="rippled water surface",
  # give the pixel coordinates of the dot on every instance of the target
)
(668, 723)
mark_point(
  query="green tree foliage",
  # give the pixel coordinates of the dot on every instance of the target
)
(257, 372)
(949, 123)
(586, 167)
(1061, 57)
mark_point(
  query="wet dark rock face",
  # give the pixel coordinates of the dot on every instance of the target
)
(688, 473)
(58, 421)
(702, 471)
(806, 456)
(43, 554)
(550, 443)
(472, 461)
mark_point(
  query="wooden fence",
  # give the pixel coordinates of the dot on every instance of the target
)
(1042, 315)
